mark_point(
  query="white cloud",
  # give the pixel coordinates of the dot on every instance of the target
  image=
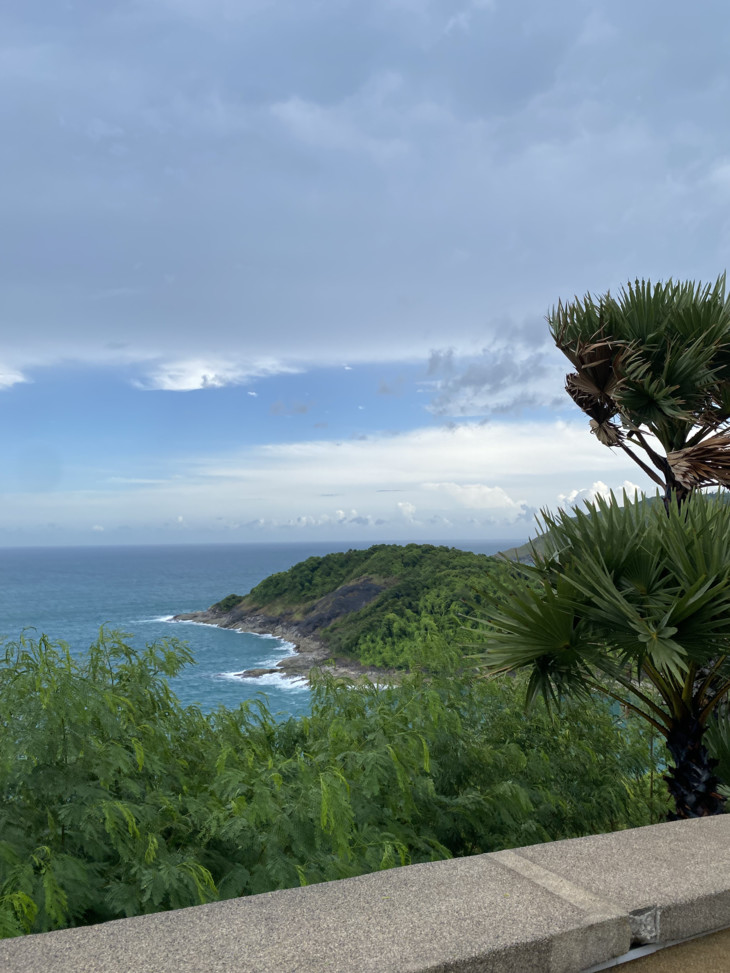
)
(527, 455)
(408, 511)
(188, 375)
(98, 528)
(10, 377)
(453, 481)
(576, 498)
(478, 496)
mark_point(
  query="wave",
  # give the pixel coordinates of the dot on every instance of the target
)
(281, 681)
(185, 621)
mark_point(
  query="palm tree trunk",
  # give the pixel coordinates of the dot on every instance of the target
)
(674, 494)
(692, 782)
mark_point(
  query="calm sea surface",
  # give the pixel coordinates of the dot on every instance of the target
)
(68, 593)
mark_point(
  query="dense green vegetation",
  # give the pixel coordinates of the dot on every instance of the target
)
(633, 601)
(427, 593)
(117, 800)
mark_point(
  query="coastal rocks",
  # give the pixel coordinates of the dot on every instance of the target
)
(310, 651)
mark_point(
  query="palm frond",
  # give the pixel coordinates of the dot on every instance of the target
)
(657, 356)
(621, 589)
(705, 464)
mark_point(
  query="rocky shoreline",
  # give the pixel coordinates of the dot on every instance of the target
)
(310, 653)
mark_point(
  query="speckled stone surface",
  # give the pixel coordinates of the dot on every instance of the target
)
(558, 908)
(682, 868)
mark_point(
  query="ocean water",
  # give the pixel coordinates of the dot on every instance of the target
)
(69, 593)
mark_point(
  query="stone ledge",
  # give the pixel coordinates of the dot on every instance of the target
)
(559, 908)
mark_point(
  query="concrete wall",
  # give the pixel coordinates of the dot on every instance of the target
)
(561, 907)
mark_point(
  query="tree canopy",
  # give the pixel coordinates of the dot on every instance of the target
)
(652, 372)
(633, 601)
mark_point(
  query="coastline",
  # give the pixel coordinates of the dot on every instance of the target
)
(309, 652)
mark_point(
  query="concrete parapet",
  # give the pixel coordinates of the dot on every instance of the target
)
(679, 872)
(560, 908)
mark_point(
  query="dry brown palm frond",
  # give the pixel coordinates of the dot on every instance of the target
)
(705, 464)
(599, 357)
(597, 372)
(590, 397)
(607, 433)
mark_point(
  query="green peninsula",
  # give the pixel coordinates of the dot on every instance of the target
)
(387, 607)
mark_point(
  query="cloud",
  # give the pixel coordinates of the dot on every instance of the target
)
(418, 174)
(576, 498)
(487, 478)
(189, 375)
(10, 377)
(502, 378)
(478, 496)
(337, 519)
(336, 129)
(407, 511)
(529, 453)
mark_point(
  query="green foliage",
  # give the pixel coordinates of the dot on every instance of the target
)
(427, 593)
(717, 741)
(652, 371)
(625, 588)
(118, 801)
(633, 601)
(227, 603)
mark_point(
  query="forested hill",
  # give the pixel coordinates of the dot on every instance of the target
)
(389, 605)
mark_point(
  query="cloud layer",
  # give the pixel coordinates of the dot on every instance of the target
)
(282, 183)
(430, 483)
(280, 267)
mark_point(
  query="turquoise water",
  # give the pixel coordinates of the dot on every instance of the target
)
(68, 593)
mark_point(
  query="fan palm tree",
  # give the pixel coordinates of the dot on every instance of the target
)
(652, 371)
(634, 602)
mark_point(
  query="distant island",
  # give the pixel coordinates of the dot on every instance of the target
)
(365, 613)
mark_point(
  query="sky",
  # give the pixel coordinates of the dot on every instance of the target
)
(278, 270)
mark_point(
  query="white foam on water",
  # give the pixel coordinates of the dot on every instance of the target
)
(187, 621)
(270, 679)
(149, 621)
(284, 651)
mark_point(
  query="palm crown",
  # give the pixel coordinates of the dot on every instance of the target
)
(633, 601)
(652, 371)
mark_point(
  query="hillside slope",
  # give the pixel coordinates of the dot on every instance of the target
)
(387, 606)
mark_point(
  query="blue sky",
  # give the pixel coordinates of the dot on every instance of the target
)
(277, 270)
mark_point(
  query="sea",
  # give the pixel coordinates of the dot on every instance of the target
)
(69, 593)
